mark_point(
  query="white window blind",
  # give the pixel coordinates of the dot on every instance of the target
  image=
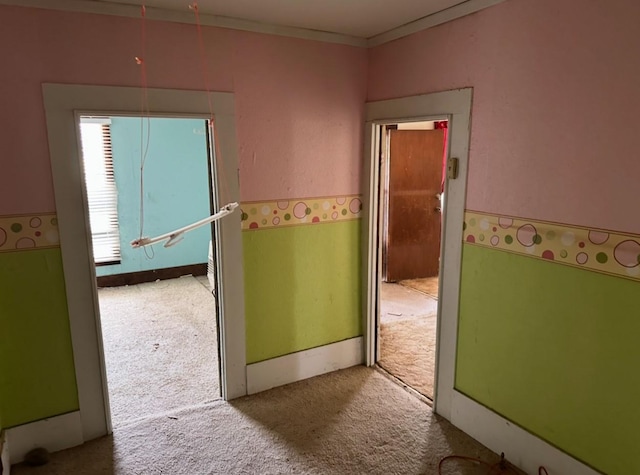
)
(102, 195)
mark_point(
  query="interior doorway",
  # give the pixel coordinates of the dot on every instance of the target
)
(144, 177)
(455, 107)
(64, 104)
(411, 188)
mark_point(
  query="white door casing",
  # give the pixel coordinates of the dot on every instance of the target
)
(63, 106)
(522, 448)
(454, 106)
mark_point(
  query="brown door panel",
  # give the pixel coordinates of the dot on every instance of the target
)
(415, 180)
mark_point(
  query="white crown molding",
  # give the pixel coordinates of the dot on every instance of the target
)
(463, 9)
(132, 11)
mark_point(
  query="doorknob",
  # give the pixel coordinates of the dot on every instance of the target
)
(437, 209)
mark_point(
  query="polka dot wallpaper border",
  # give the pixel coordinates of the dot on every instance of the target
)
(593, 249)
(21, 233)
(282, 213)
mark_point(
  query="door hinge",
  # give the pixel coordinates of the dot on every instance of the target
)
(452, 168)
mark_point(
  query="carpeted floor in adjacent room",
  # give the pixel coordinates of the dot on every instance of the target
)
(427, 285)
(408, 323)
(354, 421)
(160, 346)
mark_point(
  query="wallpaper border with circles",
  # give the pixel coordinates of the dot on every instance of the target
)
(303, 211)
(31, 231)
(608, 252)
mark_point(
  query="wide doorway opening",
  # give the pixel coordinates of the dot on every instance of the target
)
(412, 170)
(145, 176)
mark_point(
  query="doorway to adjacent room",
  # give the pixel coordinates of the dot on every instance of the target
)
(144, 176)
(411, 196)
(64, 105)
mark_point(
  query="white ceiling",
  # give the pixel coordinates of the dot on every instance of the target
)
(359, 18)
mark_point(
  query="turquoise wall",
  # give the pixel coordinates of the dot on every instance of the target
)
(176, 191)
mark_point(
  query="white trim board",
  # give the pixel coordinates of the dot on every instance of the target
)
(5, 459)
(131, 11)
(457, 11)
(520, 447)
(303, 364)
(456, 106)
(63, 106)
(56, 433)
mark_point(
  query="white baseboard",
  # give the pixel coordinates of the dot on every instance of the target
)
(55, 433)
(521, 448)
(304, 364)
(5, 464)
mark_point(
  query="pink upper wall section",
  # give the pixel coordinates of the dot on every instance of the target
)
(299, 103)
(300, 106)
(555, 105)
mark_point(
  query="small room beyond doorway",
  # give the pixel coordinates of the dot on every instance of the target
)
(412, 182)
(145, 177)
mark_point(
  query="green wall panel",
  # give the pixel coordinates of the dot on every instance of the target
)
(302, 287)
(37, 377)
(555, 349)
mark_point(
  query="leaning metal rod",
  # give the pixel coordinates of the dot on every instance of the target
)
(176, 236)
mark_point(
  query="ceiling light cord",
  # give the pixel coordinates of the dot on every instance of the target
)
(206, 79)
(176, 236)
(144, 118)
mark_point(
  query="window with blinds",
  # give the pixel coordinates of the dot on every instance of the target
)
(102, 195)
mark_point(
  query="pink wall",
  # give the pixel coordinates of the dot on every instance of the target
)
(299, 103)
(556, 100)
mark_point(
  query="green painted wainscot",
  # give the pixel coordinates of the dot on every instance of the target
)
(302, 287)
(37, 378)
(554, 349)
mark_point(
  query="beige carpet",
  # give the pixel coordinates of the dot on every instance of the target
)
(354, 421)
(427, 286)
(408, 350)
(160, 347)
(408, 321)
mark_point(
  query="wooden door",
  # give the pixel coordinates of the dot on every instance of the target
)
(413, 213)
